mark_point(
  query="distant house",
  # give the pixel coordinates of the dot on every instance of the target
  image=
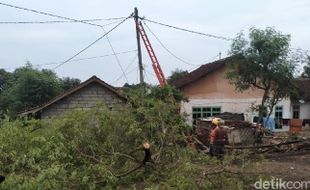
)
(83, 97)
(210, 94)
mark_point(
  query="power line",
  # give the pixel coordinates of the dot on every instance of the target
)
(130, 63)
(87, 58)
(61, 21)
(187, 30)
(81, 59)
(115, 55)
(150, 73)
(125, 73)
(212, 58)
(147, 78)
(204, 34)
(165, 47)
(137, 80)
(72, 57)
(205, 62)
(47, 14)
(94, 57)
(75, 20)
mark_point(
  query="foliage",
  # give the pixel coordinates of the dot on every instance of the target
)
(102, 149)
(263, 62)
(175, 75)
(5, 79)
(306, 73)
(67, 83)
(27, 87)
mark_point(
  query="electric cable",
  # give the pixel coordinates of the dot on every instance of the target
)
(147, 78)
(67, 18)
(78, 53)
(203, 34)
(128, 66)
(61, 21)
(123, 75)
(188, 30)
(47, 14)
(80, 59)
(115, 55)
(165, 47)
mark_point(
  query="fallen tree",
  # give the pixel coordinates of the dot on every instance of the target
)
(102, 149)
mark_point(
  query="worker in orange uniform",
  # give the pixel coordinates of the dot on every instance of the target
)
(214, 125)
(220, 139)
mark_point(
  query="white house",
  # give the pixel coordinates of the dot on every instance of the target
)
(209, 94)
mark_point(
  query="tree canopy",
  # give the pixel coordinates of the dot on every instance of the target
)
(175, 75)
(306, 73)
(27, 87)
(102, 149)
(263, 62)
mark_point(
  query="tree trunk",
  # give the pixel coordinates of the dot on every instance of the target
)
(262, 107)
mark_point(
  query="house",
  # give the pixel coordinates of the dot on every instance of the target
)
(210, 94)
(82, 97)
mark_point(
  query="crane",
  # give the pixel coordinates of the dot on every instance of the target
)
(155, 64)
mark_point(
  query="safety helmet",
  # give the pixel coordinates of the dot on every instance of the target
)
(146, 145)
(217, 121)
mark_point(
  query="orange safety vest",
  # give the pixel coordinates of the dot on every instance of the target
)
(212, 135)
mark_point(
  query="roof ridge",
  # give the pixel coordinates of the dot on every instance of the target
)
(201, 71)
(59, 97)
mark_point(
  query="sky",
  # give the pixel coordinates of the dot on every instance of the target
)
(47, 45)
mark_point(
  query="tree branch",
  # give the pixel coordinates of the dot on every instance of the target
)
(257, 86)
(88, 156)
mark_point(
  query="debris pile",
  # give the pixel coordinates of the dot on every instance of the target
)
(241, 137)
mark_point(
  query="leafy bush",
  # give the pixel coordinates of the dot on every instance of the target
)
(102, 149)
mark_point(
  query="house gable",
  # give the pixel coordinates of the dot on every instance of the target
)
(210, 93)
(214, 85)
(85, 96)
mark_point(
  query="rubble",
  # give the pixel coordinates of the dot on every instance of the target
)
(241, 137)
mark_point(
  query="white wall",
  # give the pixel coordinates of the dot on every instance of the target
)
(305, 111)
(227, 105)
(242, 106)
(287, 108)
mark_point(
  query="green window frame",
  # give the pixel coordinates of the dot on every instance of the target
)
(278, 113)
(296, 111)
(203, 112)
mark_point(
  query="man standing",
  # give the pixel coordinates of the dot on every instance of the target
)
(214, 125)
(220, 139)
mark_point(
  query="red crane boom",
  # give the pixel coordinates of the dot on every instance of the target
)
(155, 64)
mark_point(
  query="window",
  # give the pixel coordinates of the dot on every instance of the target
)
(296, 109)
(202, 112)
(278, 114)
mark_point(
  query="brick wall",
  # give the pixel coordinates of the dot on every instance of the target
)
(84, 99)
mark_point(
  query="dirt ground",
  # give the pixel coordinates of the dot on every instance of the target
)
(294, 167)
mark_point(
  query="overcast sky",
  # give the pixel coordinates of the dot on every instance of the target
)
(42, 44)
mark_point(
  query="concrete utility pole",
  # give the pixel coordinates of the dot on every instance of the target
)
(136, 16)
